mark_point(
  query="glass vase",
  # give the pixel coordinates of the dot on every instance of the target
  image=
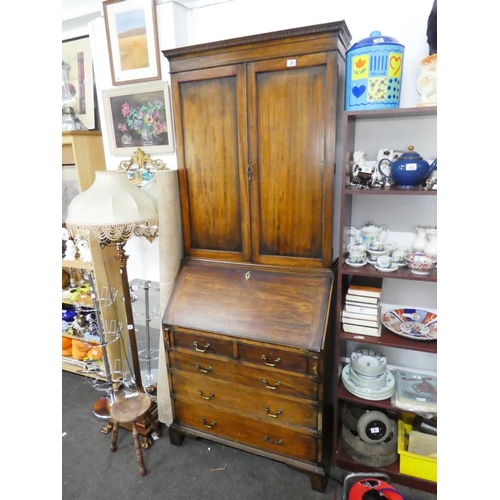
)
(146, 136)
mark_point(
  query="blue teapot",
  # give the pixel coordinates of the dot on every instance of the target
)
(408, 170)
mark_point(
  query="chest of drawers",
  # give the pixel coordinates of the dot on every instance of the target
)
(246, 349)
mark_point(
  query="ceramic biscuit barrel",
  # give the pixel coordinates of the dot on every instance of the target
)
(374, 71)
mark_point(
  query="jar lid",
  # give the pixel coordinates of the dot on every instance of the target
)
(375, 38)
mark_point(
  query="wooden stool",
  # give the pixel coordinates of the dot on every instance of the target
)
(129, 409)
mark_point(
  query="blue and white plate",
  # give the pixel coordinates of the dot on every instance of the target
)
(416, 324)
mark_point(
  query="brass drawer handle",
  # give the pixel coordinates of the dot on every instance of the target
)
(202, 370)
(274, 415)
(201, 350)
(266, 438)
(212, 424)
(276, 361)
(264, 381)
(206, 397)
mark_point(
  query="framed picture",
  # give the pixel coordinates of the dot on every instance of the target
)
(132, 36)
(77, 71)
(139, 116)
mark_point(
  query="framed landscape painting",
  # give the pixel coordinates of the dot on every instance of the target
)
(139, 116)
(131, 30)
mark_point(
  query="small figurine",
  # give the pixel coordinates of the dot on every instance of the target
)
(70, 252)
(427, 81)
(84, 250)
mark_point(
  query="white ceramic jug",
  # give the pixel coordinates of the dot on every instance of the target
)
(420, 242)
(431, 247)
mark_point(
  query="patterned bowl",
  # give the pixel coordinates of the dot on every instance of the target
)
(421, 263)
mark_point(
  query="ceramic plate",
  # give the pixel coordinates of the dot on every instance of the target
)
(416, 324)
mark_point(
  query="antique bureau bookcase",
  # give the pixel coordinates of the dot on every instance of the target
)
(248, 326)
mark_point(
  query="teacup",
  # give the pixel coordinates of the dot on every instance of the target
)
(376, 245)
(384, 261)
(357, 257)
(398, 256)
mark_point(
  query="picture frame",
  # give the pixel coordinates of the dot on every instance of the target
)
(77, 64)
(131, 32)
(139, 115)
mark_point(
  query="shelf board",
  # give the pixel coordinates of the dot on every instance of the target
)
(77, 264)
(392, 113)
(403, 273)
(345, 462)
(389, 339)
(390, 191)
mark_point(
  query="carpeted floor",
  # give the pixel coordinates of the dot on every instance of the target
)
(198, 469)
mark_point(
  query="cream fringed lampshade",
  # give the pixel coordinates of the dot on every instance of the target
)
(112, 210)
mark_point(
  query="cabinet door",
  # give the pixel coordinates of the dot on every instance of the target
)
(211, 136)
(292, 105)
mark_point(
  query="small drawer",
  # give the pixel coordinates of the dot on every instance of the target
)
(245, 399)
(278, 358)
(258, 433)
(201, 343)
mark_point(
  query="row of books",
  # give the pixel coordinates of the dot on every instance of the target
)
(361, 313)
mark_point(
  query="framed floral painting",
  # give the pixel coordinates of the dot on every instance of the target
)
(139, 116)
(131, 31)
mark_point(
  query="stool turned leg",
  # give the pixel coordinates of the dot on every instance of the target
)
(114, 436)
(138, 450)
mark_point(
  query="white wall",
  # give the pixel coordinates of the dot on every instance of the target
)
(203, 21)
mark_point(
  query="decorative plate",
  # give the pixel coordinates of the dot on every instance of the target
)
(416, 324)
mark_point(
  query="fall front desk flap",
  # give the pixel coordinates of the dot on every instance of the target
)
(267, 305)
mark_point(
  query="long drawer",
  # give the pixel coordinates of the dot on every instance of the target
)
(259, 403)
(279, 381)
(248, 430)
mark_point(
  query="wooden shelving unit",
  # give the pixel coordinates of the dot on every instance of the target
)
(362, 131)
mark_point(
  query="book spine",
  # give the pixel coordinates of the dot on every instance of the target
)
(362, 298)
(358, 315)
(362, 322)
(362, 330)
(367, 292)
(371, 310)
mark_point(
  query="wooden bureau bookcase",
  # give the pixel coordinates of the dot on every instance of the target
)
(248, 325)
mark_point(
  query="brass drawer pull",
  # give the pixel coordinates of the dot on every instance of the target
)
(201, 350)
(266, 438)
(276, 361)
(274, 415)
(212, 424)
(264, 381)
(202, 370)
(206, 397)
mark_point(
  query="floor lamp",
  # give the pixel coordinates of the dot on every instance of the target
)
(111, 211)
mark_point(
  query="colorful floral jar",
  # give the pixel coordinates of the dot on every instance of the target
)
(374, 72)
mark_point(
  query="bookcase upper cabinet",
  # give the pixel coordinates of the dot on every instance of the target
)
(255, 127)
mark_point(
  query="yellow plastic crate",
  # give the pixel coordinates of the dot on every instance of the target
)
(411, 464)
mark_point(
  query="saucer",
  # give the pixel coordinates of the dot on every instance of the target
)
(393, 267)
(378, 252)
(355, 264)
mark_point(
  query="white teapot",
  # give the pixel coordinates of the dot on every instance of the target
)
(371, 232)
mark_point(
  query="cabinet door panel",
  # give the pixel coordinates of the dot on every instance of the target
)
(212, 135)
(289, 116)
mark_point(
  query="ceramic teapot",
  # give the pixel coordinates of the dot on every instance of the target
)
(371, 232)
(407, 171)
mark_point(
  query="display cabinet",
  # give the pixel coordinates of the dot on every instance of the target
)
(402, 210)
